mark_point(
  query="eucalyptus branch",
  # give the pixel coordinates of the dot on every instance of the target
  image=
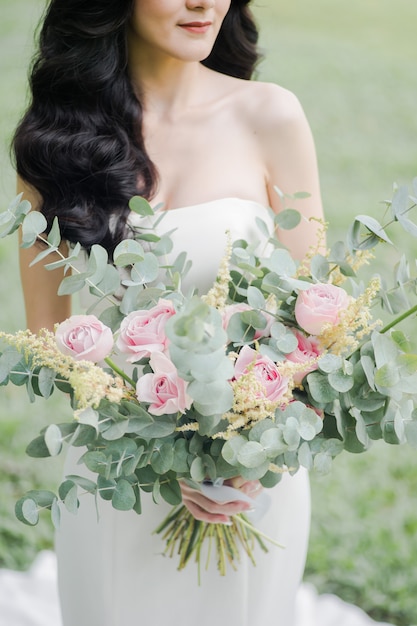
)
(76, 270)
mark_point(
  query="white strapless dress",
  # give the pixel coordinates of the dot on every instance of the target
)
(111, 571)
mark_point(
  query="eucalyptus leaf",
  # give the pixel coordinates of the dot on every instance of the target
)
(162, 458)
(231, 449)
(54, 235)
(287, 219)
(141, 206)
(144, 271)
(256, 298)
(72, 284)
(33, 225)
(46, 379)
(97, 264)
(171, 492)
(198, 470)
(281, 263)
(128, 252)
(53, 439)
(123, 498)
(27, 511)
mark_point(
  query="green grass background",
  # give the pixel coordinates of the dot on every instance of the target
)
(353, 66)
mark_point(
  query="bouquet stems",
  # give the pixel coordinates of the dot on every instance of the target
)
(186, 536)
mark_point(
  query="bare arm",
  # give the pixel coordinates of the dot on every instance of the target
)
(44, 308)
(291, 165)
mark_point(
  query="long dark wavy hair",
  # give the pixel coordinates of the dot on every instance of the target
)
(80, 142)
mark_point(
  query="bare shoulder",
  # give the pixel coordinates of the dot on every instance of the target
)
(272, 110)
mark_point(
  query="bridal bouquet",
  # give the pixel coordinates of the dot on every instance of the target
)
(279, 365)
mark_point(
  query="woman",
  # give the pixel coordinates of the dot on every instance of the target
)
(151, 97)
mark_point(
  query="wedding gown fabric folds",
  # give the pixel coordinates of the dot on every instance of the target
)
(111, 570)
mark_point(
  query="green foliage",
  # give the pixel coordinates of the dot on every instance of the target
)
(353, 67)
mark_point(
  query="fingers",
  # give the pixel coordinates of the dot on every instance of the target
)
(251, 488)
(207, 510)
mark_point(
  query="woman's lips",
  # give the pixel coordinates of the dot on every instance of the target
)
(196, 27)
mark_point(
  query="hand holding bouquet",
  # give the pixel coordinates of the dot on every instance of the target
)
(279, 366)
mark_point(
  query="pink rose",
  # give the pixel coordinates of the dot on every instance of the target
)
(143, 332)
(163, 388)
(240, 307)
(319, 305)
(307, 351)
(84, 337)
(265, 370)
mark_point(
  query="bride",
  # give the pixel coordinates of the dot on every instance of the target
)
(152, 97)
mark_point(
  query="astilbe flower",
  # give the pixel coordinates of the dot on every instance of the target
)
(90, 383)
(218, 294)
(320, 244)
(356, 261)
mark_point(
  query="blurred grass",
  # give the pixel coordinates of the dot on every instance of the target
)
(353, 66)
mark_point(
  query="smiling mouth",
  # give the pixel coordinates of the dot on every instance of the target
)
(196, 27)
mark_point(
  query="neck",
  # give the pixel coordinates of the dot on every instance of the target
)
(167, 86)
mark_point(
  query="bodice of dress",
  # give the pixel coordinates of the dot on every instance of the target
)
(201, 230)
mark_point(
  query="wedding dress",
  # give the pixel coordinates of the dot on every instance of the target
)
(111, 570)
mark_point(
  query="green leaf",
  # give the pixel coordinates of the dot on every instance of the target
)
(387, 376)
(54, 236)
(261, 224)
(107, 286)
(323, 463)
(72, 284)
(128, 252)
(56, 514)
(46, 381)
(251, 455)
(197, 470)
(320, 388)
(97, 264)
(27, 511)
(238, 331)
(373, 227)
(231, 449)
(329, 363)
(144, 271)
(37, 448)
(123, 498)
(254, 319)
(8, 360)
(340, 381)
(162, 458)
(96, 462)
(33, 225)
(305, 456)
(89, 416)
(155, 427)
(211, 398)
(85, 483)
(256, 298)
(141, 206)
(106, 487)
(287, 219)
(272, 442)
(281, 263)
(180, 460)
(171, 492)
(53, 439)
(68, 492)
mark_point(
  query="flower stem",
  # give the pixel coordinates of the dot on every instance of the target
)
(399, 319)
(241, 520)
(120, 372)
